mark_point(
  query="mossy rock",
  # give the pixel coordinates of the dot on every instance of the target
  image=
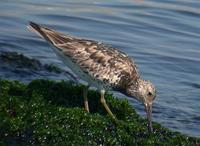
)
(51, 113)
(20, 61)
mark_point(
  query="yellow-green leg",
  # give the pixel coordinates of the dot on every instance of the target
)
(103, 101)
(85, 94)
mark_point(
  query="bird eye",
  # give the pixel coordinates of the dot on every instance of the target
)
(150, 94)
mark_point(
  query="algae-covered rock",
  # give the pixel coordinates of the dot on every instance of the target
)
(18, 60)
(51, 113)
(17, 66)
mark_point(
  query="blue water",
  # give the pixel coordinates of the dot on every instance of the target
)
(163, 38)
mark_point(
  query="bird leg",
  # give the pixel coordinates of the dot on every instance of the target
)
(103, 101)
(85, 95)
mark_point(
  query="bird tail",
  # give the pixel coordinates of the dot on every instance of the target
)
(49, 35)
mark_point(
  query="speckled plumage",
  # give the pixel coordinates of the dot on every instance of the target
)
(101, 66)
(100, 61)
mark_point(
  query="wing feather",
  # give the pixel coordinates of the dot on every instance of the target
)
(100, 61)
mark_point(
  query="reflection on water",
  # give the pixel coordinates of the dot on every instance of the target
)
(161, 36)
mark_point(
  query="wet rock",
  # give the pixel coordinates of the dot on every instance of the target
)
(17, 66)
(18, 60)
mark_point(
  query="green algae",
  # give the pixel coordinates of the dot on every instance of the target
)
(45, 112)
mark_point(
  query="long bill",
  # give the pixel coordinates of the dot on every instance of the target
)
(148, 108)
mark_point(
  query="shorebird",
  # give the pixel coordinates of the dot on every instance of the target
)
(102, 66)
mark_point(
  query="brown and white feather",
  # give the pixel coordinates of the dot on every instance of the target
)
(100, 61)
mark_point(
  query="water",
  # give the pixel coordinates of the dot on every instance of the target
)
(161, 36)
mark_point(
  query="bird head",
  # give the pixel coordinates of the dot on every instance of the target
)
(145, 92)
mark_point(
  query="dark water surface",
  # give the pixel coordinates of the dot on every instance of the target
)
(163, 37)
